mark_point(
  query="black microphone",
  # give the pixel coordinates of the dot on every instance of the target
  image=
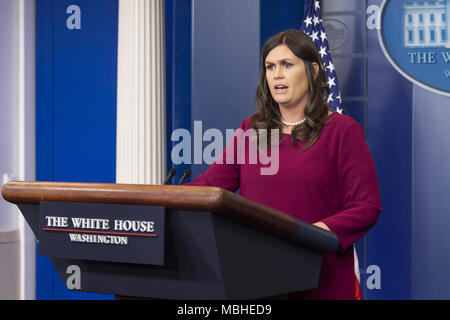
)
(186, 174)
(172, 173)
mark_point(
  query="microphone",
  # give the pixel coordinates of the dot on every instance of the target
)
(172, 173)
(186, 174)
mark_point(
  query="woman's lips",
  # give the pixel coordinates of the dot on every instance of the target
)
(281, 89)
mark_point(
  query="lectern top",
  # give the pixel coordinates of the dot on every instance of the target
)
(196, 198)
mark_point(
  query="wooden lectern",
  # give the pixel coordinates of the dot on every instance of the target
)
(208, 243)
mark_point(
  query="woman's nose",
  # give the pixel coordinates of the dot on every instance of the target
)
(278, 73)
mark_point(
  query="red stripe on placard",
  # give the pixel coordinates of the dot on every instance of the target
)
(102, 232)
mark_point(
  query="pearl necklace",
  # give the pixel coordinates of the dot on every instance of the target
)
(292, 124)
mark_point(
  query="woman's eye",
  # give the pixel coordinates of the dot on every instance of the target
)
(288, 65)
(269, 67)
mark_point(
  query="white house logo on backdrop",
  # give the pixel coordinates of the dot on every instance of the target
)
(418, 44)
(425, 24)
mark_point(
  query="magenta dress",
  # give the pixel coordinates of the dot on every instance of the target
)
(334, 181)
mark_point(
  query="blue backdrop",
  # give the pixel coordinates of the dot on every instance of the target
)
(390, 141)
(75, 106)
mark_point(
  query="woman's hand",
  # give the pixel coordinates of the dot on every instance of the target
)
(321, 225)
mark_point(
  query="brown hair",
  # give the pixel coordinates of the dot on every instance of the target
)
(316, 110)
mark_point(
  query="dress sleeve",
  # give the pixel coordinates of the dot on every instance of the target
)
(224, 172)
(358, 188)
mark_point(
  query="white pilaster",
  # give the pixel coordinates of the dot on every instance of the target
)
(27, 138)
(17, 139)
(141, 138)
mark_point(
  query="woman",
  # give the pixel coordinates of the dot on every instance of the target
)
(326, 174)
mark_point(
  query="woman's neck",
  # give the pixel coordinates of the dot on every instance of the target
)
(292, 114)
(288, 129)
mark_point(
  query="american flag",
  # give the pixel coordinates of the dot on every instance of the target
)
(312, 26)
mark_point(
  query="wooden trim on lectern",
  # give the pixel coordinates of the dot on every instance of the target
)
(196, 198)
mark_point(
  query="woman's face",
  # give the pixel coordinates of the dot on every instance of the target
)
(287, 78)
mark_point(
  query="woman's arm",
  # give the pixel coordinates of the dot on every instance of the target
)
(225, 171)
(358, 187)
